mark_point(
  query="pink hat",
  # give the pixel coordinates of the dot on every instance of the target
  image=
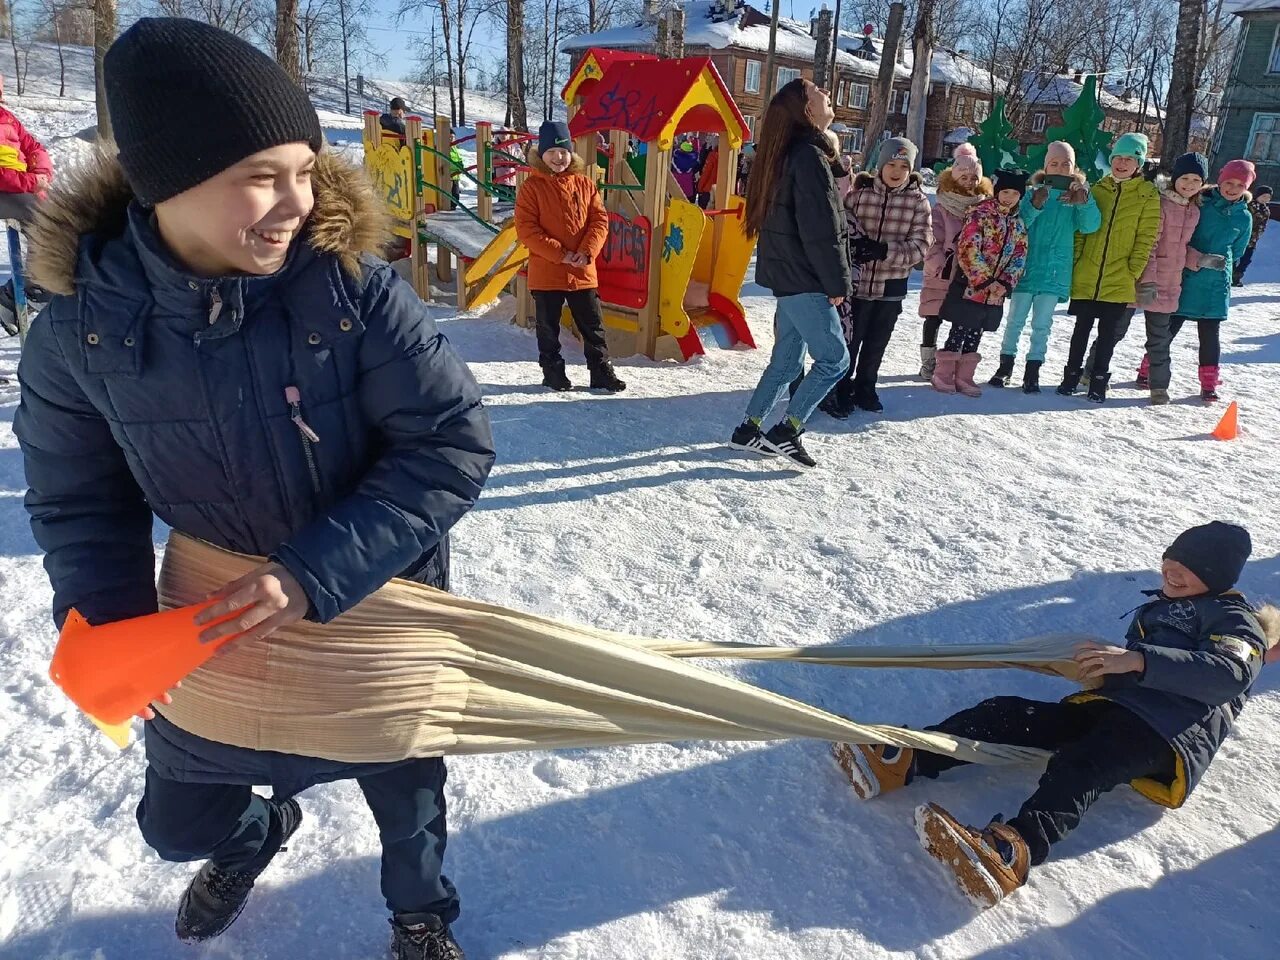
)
(966, 160)
(1241, 170)
(1060, 148)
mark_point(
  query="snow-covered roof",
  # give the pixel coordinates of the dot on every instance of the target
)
(707, 25)
(1062, 91)
(1251, 6)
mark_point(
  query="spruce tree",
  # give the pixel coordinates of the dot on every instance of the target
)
(1082, 128)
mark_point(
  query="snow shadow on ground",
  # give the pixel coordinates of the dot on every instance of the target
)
(1267, 350)
(1234, 891)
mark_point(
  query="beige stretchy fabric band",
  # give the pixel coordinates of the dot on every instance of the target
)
(414, 672)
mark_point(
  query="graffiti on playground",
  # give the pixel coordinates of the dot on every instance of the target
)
(623, 265)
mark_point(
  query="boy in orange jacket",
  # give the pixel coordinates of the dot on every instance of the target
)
(561, 219)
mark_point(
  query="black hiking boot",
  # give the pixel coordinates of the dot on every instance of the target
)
(1098, 388)
(603, 378)
(422, 936)
(215, 896)
(1031, 377)
(1070, 381)
(868, 400)
(784, 439)
(748, 436)
(833, 408)
(1004, 372)
(553, 376)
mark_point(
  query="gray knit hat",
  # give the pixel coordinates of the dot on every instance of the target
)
(897, 148)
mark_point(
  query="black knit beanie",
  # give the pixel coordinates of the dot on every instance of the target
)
(1215, 552)
(188, 100)
(1012, 180)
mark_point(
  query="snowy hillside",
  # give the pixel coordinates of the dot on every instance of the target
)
(943, 520)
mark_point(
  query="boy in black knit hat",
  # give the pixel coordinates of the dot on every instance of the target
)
(1155, 713)
(227, 352)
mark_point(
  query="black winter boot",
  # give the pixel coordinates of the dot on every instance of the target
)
(1031, 377)
(422, 936)
(1070, 381)
(1098, 387)
(603, 378)
(215, 896)
(553, 376)
(1004, 372)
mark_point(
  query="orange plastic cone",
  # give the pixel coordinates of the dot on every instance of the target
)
(1228, 427)
(113, 671)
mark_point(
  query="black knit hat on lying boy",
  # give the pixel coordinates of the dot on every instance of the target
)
(188, 100)
(1215, 552)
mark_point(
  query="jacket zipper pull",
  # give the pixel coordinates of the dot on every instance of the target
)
(294, 398)
(215, 306)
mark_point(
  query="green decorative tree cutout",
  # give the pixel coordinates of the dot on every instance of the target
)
(1082, 128)
(996, 149)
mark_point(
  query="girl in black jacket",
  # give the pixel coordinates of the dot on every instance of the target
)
(794, 207)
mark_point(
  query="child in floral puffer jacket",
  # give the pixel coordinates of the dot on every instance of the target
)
(1059, 216)
(990, 254)
(961, 187)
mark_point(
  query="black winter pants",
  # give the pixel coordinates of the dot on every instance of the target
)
(584, 305)
(1097, 746)
(963, 339)
(1110, 317)
(1210, 338)
(870, 328)
(229, 824)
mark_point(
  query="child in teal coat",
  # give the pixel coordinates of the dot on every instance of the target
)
(1222, 237)
(1050, 258)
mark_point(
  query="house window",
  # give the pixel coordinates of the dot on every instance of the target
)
(1038, 122)
(837, 98)
(753, 77)
(905, 101)
(981, 110)
(1263, 145)
(1273, 65)
(861, 94)
(854, 139)
(785, 76)
(751, 127)
(959, 110)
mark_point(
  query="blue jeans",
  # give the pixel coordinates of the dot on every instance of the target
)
(803, 320)
(1041, 307)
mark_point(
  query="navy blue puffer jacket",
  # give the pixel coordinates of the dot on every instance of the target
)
(147, 390)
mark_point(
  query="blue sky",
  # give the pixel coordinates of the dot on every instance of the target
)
(399, 44)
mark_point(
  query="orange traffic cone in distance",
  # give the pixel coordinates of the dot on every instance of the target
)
(113, 671)
(1228, 427)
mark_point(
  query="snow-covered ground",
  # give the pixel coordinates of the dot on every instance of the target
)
(944, 520)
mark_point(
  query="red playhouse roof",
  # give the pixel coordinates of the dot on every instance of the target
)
(656, 99)
(592, 66)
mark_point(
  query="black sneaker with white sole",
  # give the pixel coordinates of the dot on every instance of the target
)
(784, 439)
(748, 437)
(215, 896)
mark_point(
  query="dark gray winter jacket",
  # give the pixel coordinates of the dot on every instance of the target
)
(803, 244)
(1202, 656)
(148, 390)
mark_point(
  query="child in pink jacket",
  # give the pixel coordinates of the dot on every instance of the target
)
(1161, 284)
(961, 187)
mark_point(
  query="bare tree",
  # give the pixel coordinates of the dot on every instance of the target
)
(244, 18)
(517, 114)
(104, 34)
(64, 23)
(1182, 83)
(287, 29)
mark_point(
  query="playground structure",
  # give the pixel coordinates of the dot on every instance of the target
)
(669, 269)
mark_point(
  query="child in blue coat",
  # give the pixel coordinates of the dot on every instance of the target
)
(1154, 715)
(1046, 282)
(226, 352)
(1221, 237)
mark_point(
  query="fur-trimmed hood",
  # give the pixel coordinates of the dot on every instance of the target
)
(576, 165)
(346, 222)
(959, 200)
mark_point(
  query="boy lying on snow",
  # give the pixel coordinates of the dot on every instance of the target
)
(1164, 704)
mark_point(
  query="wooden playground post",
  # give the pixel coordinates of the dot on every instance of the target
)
(653, 206)
(444, 200)
(726, 179)
(618, 169)
(524, 299)
(484, 172)
(417, 250)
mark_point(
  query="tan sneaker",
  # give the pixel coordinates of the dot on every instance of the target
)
(876, 769)
(973, 856)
